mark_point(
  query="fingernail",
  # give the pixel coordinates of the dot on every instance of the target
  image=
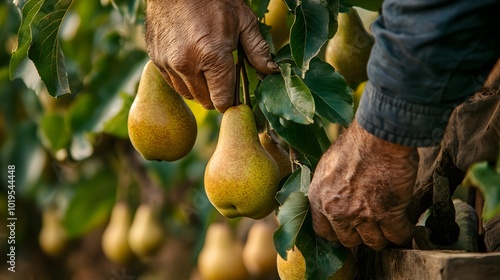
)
(272, 65)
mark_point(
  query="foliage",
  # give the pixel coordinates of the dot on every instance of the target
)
(487, 179)
(90, 55)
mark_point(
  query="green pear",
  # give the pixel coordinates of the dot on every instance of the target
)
(146, 233)
(349, 50)
(241, 178)
(221, 255)
(52, 238)
(160, 124)
(259, 254)
(115, 237)
(280, 156)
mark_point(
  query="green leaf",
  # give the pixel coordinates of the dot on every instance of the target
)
(117, 125)
(54, 131)
(259, 7)
(127, 8)
(291, 4)
(300, 137)
(286, 96)
(484, 177)
(292, 184)
(323, 258)
(291, 216)
(91, 204)
(332, 96)
(309, 31)
(38, 38)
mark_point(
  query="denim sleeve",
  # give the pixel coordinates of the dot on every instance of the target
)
(428, 57)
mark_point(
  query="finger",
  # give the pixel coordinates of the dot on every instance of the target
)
(349, 237)
(197, 85)
(372, 236)
(398, 230)
(256, 48)
(176, 82)
(220, 79)
(322, 226)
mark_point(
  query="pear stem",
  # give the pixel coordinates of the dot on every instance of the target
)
(239, 62)
(246, 85)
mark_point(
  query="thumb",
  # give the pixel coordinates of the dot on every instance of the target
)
(256, 48)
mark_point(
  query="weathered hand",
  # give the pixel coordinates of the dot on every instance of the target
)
(191, 42)
(360, 191)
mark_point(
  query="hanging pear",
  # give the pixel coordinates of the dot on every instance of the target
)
(280, 156)
(349, 50)
(241, 178)
(52, 238)
(221, 255)
(115, 237)
(160, 124)
(146, 232)
(259, 254)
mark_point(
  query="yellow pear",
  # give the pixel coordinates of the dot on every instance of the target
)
(276, 17)
(52, 238)
(160, 124)
(357, 94)
(280, 156)
(241, 178)
(221, 255)
(294, 267)
(259, 254)
(115, 237)
(349, 50)
(146, 232)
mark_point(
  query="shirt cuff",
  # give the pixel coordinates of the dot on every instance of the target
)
(400, 121)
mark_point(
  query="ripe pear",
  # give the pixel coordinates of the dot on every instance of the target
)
(259, 254)
(221, 255)
(146, 232)
(358, 93)
(276, 17)
(52, 238)
(280, 156)
(115, 237)
(349, 50)
(160, 124)
(241, 178)
(294, 267)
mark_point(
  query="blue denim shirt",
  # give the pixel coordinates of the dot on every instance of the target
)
(428, 57)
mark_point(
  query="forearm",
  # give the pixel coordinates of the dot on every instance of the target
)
(429, 56)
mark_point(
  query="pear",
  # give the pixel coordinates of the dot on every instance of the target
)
(241, 178)
(358, 93)
(349, 50)
(259, 254)
(276, 17)
(160, 124)
(294, 267)
(280, 156)
(146, 233)
(115, 237)
(221, 255)
(52, 238)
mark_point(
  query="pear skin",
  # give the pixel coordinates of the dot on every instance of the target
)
(146, 234)
(259, 254)
(160, 124)
(115, 237)
(280, 156)
(276, 17)
(294, 267)
(241, 178)
(221, 255)
(349, 50)
(52, 238)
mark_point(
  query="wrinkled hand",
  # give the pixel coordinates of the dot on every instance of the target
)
(191, 42)
(360, 191)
